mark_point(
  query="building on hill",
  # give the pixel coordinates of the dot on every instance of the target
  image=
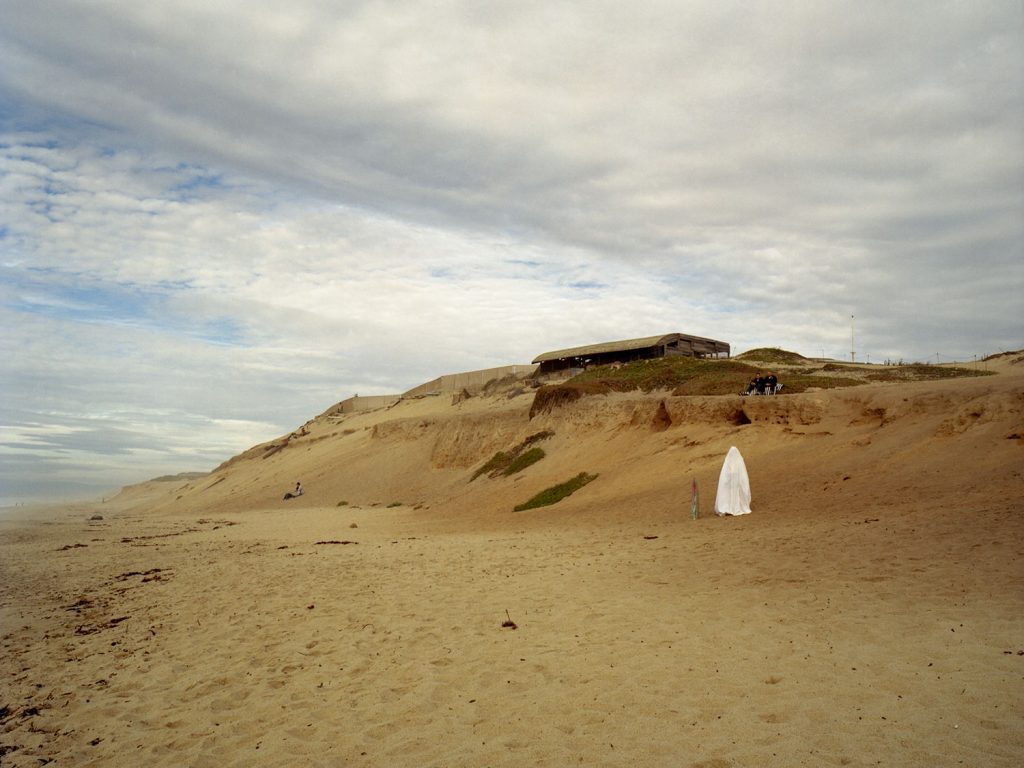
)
(628, 350)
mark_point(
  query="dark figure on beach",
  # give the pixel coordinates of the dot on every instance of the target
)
(294, 494)
(771, 381)
(756, 386)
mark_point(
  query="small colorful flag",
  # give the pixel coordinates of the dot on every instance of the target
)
(694, 500)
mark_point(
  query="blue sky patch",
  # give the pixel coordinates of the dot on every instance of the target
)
(198, 182)
(120, 304)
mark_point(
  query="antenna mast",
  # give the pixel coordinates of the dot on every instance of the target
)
(853, 357)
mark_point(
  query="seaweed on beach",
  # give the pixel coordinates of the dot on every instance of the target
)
(84, 629)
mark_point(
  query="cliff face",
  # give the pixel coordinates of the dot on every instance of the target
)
(934, 441)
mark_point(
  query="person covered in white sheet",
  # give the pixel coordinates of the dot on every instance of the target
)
(733, 496)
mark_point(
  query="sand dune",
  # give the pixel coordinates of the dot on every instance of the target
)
(868, 612)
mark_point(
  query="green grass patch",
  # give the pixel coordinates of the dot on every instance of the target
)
(772, 355)
(922, 372)
(801, 382)
(659, 373)
(682, 375)
(494, 465)
(341, 504)
(394, 504)
(523, 460)
(693, 376)
(556, 493)
(516, 459)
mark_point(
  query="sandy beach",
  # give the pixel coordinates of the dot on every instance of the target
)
(870, 611)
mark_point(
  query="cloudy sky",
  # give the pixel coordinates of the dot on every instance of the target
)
(219, 218)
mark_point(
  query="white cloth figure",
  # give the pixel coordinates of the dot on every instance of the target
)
(733, 486)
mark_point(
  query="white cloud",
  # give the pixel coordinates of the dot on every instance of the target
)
(321, 199)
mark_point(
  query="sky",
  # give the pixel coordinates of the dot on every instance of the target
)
(217, 219)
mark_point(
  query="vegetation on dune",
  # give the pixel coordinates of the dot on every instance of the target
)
(550, 397)
(715, 377)
(693, 376)
(703, 377)
(724, 377)
(801, 382)
(1019, 353)
(523, 460)
(772, 355)
(921, 372)
(516, 459)
(556, 493)
(648, 375)
(681, 375)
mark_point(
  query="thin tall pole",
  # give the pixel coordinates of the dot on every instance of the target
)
(853, 356)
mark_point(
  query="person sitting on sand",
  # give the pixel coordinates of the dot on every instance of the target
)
(294, 494)
(756, 386)
(771, 381)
